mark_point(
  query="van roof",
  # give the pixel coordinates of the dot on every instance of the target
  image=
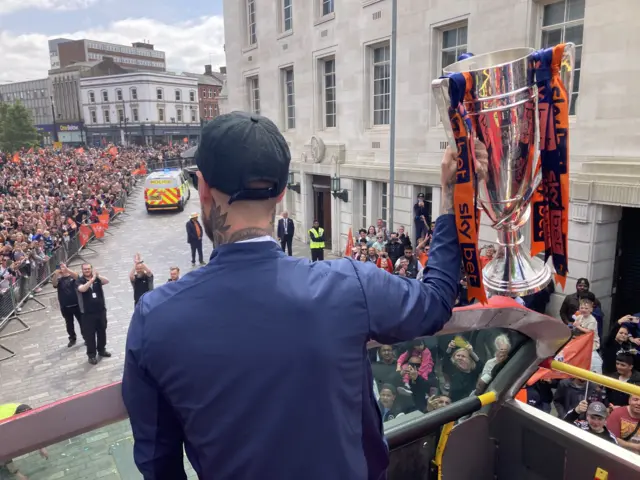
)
(166, 173)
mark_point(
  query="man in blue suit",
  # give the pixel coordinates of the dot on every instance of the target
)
(256, 363)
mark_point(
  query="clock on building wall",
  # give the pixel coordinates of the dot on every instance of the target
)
(317, 149)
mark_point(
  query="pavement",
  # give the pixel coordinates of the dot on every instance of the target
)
(45, 370)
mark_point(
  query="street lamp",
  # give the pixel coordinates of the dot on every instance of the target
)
(336, 191)
(291, 183)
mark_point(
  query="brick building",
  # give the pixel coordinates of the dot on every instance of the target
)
(139, 56)
(209, 88)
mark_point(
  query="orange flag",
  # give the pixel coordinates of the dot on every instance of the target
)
(349, 250)
(30, 150)
(118, 210)
(577, 353)
(98, 230)
(104, 220)
(79, 150)
(16, 158)
(113, 151)
(84, 234)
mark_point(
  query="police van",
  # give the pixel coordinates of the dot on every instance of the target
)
(166, 189)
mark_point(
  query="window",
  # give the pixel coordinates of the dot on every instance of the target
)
(107, 118)
(385, 200)
(134, 94)
(159, 94)
(179, 114)
(192, 96)
(287, 15)
(134, 112)
(178, 96)
(564, 22)
(161, 114)
(92, 97)
(120, 115)
(94, 116)
(290, 99)
(105, 96)
(381, 85)
(193, 115)
(254, 95)
(119, 95)
(327, 7)
(204, 93)
(329, 93)
(364, 204)
(454, 44)
(210, 92)
(251, 22)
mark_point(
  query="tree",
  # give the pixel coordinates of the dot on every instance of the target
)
(16, 128)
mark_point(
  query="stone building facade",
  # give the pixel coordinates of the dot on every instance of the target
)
(321, 69)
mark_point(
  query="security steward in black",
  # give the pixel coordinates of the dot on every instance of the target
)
(64, 280)
(194, 239)
(141, 278)
(94, 312)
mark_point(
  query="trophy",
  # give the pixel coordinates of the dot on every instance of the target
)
(498, 99)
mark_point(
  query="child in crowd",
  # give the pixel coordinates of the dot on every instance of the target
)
(416, 355)
(584, 322)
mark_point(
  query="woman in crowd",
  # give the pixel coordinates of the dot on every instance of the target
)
(371, 236)
(384, 263)
(502, 349)
(372, 255)
(419, 357)
(463, 373)
(617, 341)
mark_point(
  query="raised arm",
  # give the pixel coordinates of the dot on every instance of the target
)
(401, 309)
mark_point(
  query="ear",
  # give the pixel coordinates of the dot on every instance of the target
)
(204, 192)
(281, 196)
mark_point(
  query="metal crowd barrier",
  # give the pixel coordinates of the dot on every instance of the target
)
(19, 294)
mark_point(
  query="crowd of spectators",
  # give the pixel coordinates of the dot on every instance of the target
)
(45, 195)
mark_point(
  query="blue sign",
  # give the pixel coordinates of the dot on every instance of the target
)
(44, 128)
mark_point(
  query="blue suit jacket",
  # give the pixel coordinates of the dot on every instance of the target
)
(257, 362)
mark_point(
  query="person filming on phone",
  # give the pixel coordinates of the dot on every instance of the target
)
(64, 281)
(185, 386)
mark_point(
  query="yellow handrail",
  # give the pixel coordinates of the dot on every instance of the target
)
(593, 377)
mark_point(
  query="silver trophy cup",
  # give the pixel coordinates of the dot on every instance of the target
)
(507, 105)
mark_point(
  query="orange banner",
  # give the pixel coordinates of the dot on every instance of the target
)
(84, 234)
(577, 353)
(349, 250)
(118, 210)
(98, 230)
(104, 220)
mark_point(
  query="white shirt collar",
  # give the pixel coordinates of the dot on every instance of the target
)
(264, 238)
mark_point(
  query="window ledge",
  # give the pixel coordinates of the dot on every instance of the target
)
(249, 48)
(366, 3)
(325, 18)
(378, 128)
(286, 34)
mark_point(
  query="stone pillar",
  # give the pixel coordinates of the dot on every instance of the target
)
(436, 202)
(306, 200)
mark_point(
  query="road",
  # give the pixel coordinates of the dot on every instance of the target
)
(45, 370)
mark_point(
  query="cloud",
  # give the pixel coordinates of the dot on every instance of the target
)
(188, 45)
(8, 6)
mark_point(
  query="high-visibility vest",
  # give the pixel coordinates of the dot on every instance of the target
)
(316, 233)
(8, 410)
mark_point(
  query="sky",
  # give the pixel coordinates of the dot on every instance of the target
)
(191, 32)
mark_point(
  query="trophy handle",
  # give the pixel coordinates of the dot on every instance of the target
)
(440, 89)
(567, 71)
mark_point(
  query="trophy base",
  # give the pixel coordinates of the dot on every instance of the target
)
(514, 273)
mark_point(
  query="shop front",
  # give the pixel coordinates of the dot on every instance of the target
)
(71, 133)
